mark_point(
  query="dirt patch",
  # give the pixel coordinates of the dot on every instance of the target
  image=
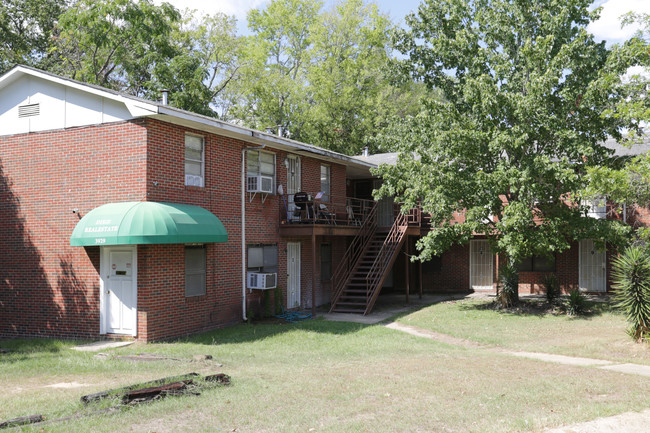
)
(65, 385)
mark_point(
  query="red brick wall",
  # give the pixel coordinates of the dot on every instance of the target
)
(49, 288)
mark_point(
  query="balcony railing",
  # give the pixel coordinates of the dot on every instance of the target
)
(307, 209)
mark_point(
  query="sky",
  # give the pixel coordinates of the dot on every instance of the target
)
(607, 28)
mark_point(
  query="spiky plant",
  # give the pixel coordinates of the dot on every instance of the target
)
(631, 275)
(551, 287)
(576, 303)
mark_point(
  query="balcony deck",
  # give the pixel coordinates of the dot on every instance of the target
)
(311, 216)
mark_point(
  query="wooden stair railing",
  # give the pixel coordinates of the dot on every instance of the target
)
(355, 251)
(387, 255)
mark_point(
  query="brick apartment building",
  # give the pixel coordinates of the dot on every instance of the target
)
(121, 216)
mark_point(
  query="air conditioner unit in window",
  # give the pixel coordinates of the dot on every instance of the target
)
(193, 180)
(263, 281)
(260, 184)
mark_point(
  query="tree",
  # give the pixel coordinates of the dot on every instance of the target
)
(207, 63)
(527, 101)
(25, 27)
(115, 43)
(279, 50)
(349, 88)
(321, 76)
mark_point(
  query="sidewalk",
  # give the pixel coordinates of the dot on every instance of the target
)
(629, 422)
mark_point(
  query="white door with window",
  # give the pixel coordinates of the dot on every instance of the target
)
(293, 184)
(118, 300)
(592, 267)
(480, 265)
(293, 274)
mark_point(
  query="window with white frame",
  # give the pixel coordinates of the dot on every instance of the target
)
(325, 182)
(194, 270)
(194, 160)
(260, 171)
(596, 207)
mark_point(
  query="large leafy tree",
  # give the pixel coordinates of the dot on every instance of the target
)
(320, 76)
(25, 27)
(280, 51)
(527, 100)
(115, 43)
(206, 66)
(349, 89)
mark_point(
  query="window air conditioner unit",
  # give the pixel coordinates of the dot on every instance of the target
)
(257, 280)
(260, 184)
(193, 180)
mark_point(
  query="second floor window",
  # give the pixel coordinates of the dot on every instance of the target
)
(260, 170)
(194, 163)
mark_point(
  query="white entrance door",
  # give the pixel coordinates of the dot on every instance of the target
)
(592, 267)
(293, 274)
(118, 301)
(480, 265)
(293, 184)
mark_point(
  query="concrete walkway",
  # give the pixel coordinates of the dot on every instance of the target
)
(629, 422)
(637, 369)
(101, 345)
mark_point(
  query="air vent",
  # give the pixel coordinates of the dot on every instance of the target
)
(29, 110)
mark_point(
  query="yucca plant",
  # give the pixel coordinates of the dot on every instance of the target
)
(576, 303)
(631, 275)
(508, 286)
(551, 287)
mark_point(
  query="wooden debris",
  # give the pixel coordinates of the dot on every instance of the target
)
(121, 391)
(221, 378)
(186, 384)
(22, 420)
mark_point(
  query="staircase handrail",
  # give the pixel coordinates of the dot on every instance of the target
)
(378, 270)
(354, 252)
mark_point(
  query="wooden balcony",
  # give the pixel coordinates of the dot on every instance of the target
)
(307, 216)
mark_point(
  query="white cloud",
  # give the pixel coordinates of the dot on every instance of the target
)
(608, 27)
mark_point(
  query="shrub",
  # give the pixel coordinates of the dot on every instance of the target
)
(508, 293)
(551, 287)
(576, 304)
(631, 275)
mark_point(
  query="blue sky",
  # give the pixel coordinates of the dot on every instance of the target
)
(608, 27)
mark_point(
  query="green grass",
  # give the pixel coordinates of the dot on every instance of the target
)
(600, 334)
(325, 376)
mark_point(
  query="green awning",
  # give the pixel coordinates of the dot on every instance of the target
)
(147, 222)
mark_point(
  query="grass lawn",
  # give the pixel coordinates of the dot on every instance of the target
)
(600, 334)
(317, 376)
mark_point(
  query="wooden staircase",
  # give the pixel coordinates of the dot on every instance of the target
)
(357, 285)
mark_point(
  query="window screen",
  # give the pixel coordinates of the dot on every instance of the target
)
(193, 160)
(194, 271)
(262, 258)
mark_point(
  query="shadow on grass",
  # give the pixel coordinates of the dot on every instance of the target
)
(542, 308)
(246, 333)
(22, 349)
(415, 307)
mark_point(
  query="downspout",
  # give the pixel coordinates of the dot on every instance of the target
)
(243, 226)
